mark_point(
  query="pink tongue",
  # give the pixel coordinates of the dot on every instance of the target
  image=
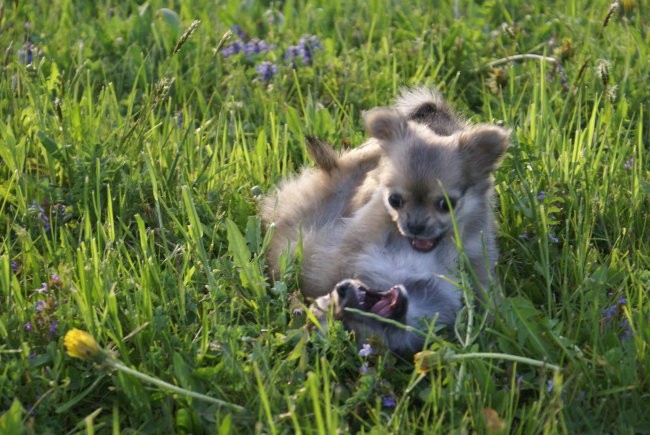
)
(385, 306)
(422, 244)
(382, 308)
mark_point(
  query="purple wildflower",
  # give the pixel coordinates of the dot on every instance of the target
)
(616, 311)
(553, 238)
(29, 53)
(26, 54)
(366, 350)
(364, 368)
(55, 280)
(45, 219)
(519, 380)
(233, 48)
(629, 163)
(309, 44)
(292, 52)
(388, 401)
(254, 47)
(541, 195)
(43, 288)
(53, 327)
(14, 266)
(610, 312)
(550, 385)
(39, 306)
(29, 327)
(627, 329)
(238, 31)
(304, 50)
(266, 70)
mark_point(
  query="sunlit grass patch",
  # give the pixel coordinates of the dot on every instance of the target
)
(136, 141)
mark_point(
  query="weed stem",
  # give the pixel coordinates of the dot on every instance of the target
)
(517, 57)
(388, 321)
(505, 356)
(167, 386)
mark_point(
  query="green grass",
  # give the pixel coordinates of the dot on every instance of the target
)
(133, 174)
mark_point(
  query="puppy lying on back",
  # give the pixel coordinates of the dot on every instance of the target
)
(376, 222)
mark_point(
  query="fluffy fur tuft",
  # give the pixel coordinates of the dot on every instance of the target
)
(427, 107)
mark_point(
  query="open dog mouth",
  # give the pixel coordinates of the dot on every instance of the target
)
(383, 304)
(355, 294)
(424, 245)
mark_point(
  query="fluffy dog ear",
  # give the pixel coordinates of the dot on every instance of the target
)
(385, 124)
(323, 154)
(482, 147)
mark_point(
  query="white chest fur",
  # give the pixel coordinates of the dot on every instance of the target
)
(383, 265)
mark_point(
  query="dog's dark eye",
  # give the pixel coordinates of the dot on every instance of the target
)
(395, 200)
(444, 206)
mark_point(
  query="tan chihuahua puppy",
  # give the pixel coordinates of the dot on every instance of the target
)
(377, 223)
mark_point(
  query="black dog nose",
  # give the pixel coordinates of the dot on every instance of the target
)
(416, 227)
(342, 288)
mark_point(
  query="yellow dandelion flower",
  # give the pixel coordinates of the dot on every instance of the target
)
(81, 344)
(427, 360)
(494, 423)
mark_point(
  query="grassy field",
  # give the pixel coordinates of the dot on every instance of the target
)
(135, 144)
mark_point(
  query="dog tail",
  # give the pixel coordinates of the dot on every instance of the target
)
(324, 155)
(426, 106)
